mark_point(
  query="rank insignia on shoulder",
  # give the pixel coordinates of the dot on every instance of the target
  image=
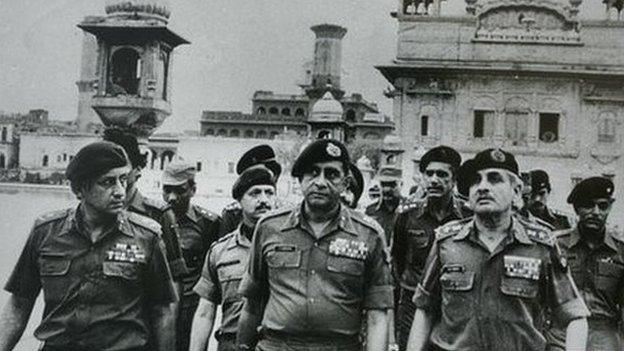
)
(348, 248)
(126, 253)
(522, 267)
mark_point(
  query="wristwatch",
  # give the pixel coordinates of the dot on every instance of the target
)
(393, 347)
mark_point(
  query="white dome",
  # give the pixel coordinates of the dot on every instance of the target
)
(327, 109)
(158, 9)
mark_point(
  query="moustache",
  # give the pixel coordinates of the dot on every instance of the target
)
(263, 207)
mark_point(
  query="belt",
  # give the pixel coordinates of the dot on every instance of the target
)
(332, 340)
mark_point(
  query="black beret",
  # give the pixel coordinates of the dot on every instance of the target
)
(129, 143)
(539, 180)
(256, 175)
(321, 150)
(440, 154)
(490, 158)
(96, 159)
(261, 154)
(591, 189)
(357, 185)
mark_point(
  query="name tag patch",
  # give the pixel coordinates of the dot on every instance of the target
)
(348, 248)
(522, 267)
(126, 253)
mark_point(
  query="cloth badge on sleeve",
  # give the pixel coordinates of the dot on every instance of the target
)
(522, 267)
(348, 248)
(126, 253)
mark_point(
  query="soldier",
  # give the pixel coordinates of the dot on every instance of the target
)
(226, 261)
(198, 229)
(232, 214)
(596, 257)
(315, 268)
(105, 280)
(488, 277)
(148, 207)
(415, 225)
(384, 210)
(538, 201)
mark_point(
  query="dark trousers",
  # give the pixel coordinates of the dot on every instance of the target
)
(405, 317)
(183, 326)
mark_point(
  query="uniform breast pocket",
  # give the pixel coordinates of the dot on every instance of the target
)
(230, 274)
(418, 238)
(345, 265)
(53, 265)
(457, 293)
(609, 275)
(284, 257)
(128, 271)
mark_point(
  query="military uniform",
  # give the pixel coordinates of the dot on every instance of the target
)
(97, 295)
(198, 229)
(384, 216)
(413, 238)
(220, 278)
(489, 301)
(316, 288)
(599, 275)
(558, 220)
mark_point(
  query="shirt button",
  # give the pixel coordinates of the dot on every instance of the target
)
(313, 271)
(311, 300)
(316, 244)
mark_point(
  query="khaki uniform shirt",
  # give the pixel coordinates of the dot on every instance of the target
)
(221, 276)
(97, 295)
(318, 287)
(414, 235)
(385, 216)
(490, 301)
(599, 275)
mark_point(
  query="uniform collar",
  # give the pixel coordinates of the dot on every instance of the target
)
(238, 239)
(191, 214)
(516, 231)
(342, 221)
(72, 219)
(453, 208)
(575, 239)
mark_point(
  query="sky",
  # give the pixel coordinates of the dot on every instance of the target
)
(237, 47)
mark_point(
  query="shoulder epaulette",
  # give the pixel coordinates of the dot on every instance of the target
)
(535, 222)
(540, 234)
(277, 213)
(211, 216)
(366, 221)
(144, 222)
(154, 203)
(616, 234)
(410, 205)
(451, 228)
(232, 206)
(52, 216)
(222, 239)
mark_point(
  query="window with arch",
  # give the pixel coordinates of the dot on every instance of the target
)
(606, 131)
(323, 134)
(222, 132)
(274, 134)
(2, 161)
(285, 111)
(162, 66)
(234, 133)
(199, 166)
(548, 127)
(125, 72)
(249, 133)
(4, 134)
(299, 112)
(45, 161)
(261, 134)
(261, 110)
(273, 111)
(350, 116)
(424, 125)
(210, 131)
(483, 124)
(165, 158)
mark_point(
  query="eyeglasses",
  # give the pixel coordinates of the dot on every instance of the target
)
(603, 205)
(438, 173)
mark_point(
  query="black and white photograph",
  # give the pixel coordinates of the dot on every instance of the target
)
(312, 175)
